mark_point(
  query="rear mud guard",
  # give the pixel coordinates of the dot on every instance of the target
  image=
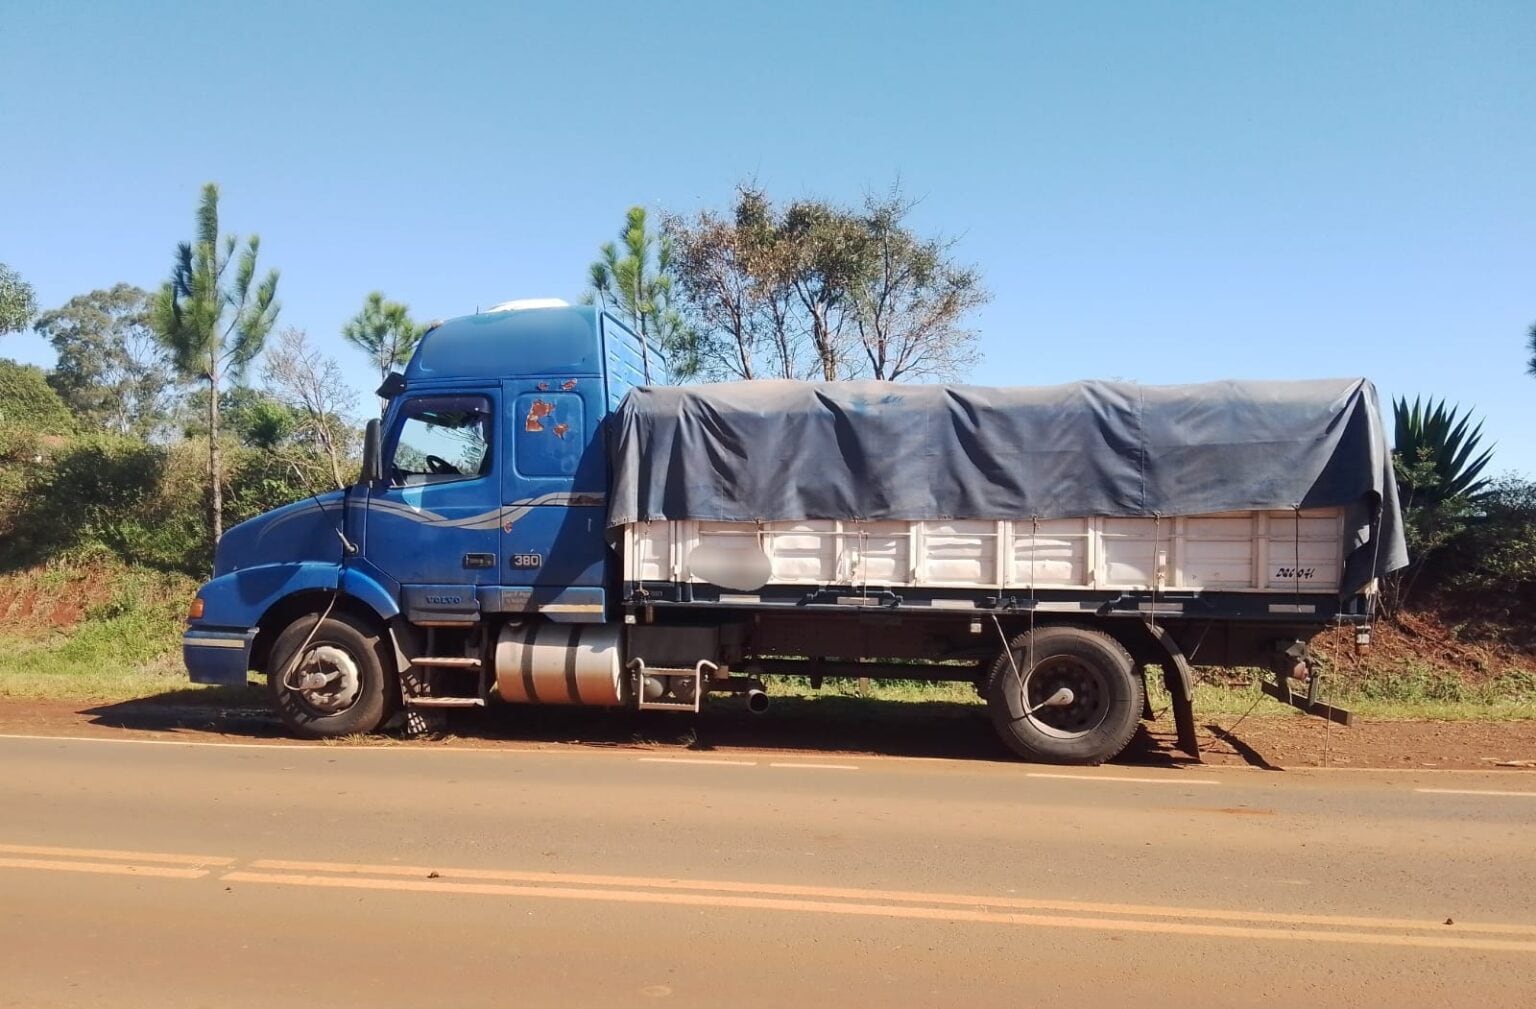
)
(1180, 681)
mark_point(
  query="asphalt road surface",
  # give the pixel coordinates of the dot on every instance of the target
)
(141, 874)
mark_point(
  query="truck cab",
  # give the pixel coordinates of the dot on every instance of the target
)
(482, 503)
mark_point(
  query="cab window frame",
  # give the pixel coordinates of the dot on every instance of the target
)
(412, 410)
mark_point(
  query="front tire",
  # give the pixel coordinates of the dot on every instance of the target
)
(1090, 667)
(343, 684)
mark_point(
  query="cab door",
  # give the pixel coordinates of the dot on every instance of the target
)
(435, 521)
(554, 485)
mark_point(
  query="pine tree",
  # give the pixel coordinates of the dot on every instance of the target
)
(214, 321)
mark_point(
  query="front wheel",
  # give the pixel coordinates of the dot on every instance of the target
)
(339, 686)
(1067, 695)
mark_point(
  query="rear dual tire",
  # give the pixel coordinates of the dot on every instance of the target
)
(1107, 696)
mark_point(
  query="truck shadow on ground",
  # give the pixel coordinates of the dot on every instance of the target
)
(804, 725)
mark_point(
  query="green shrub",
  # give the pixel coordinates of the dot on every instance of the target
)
(90, 499)
(258, 480)
(1495, 555)
(29, 403)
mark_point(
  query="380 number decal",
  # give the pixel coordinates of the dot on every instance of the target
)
(527, 560)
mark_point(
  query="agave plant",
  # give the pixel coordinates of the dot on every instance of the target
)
(1439, 451)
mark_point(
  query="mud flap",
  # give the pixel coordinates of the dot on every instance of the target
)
(1180, 681)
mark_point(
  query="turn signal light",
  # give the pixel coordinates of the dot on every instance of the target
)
(195, 611)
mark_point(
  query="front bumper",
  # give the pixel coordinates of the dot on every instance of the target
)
(215, 656)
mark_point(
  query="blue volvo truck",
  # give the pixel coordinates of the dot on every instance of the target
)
(540, 520)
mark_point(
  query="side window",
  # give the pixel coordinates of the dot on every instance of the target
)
(442, 438)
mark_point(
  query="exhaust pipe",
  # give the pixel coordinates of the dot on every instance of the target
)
(757, 700)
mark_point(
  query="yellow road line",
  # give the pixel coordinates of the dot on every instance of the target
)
(954, 914)
(886, 896)
(102, 868)
(776, 896)
(109, 854)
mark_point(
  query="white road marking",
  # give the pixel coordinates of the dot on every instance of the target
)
(1473, 791)
(818, 767)
(697, 760)
(1112, 777)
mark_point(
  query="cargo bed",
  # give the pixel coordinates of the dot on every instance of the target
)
(1256, 552)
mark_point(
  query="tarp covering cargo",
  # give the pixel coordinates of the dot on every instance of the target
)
(777, 450)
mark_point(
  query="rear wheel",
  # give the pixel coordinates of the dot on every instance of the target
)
(1067, 695)
(341, 684)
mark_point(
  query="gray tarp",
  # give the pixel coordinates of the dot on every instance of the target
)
(775, 450)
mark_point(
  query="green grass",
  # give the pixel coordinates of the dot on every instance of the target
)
(129, 647)
(1412, 692)
(913, 691)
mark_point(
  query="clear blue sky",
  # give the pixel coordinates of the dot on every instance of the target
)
(1164, 192)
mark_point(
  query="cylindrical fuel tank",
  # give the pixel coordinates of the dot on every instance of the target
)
(544, 663)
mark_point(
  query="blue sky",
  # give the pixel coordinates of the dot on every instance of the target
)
(1158, 191)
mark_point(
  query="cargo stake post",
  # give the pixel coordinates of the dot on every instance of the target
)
(538, 523)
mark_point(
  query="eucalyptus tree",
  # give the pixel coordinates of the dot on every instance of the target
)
(213, 316)
(816, 289)
(909, 299)
(111, 369)
(18, 302)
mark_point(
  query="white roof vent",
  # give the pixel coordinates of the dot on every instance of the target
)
(518, 304)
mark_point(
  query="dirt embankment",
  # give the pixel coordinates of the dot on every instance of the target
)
(34, 604)
(1433, 639)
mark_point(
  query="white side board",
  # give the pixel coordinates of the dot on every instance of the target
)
(1238, 552)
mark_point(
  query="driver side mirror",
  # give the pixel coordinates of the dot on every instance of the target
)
(373, 462)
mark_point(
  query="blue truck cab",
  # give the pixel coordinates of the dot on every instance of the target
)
(486, 500)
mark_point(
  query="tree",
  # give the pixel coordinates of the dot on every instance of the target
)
(18, 302)
(633, 278)
(1530, 344)
(384, 331)
(820, 250)
(908, 299)
(1438, 471)
(817, 289)
(111, 370)
(740, 307)
(311, 385)
(214, 322)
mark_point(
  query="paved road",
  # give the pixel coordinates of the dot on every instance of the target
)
(137, 874)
